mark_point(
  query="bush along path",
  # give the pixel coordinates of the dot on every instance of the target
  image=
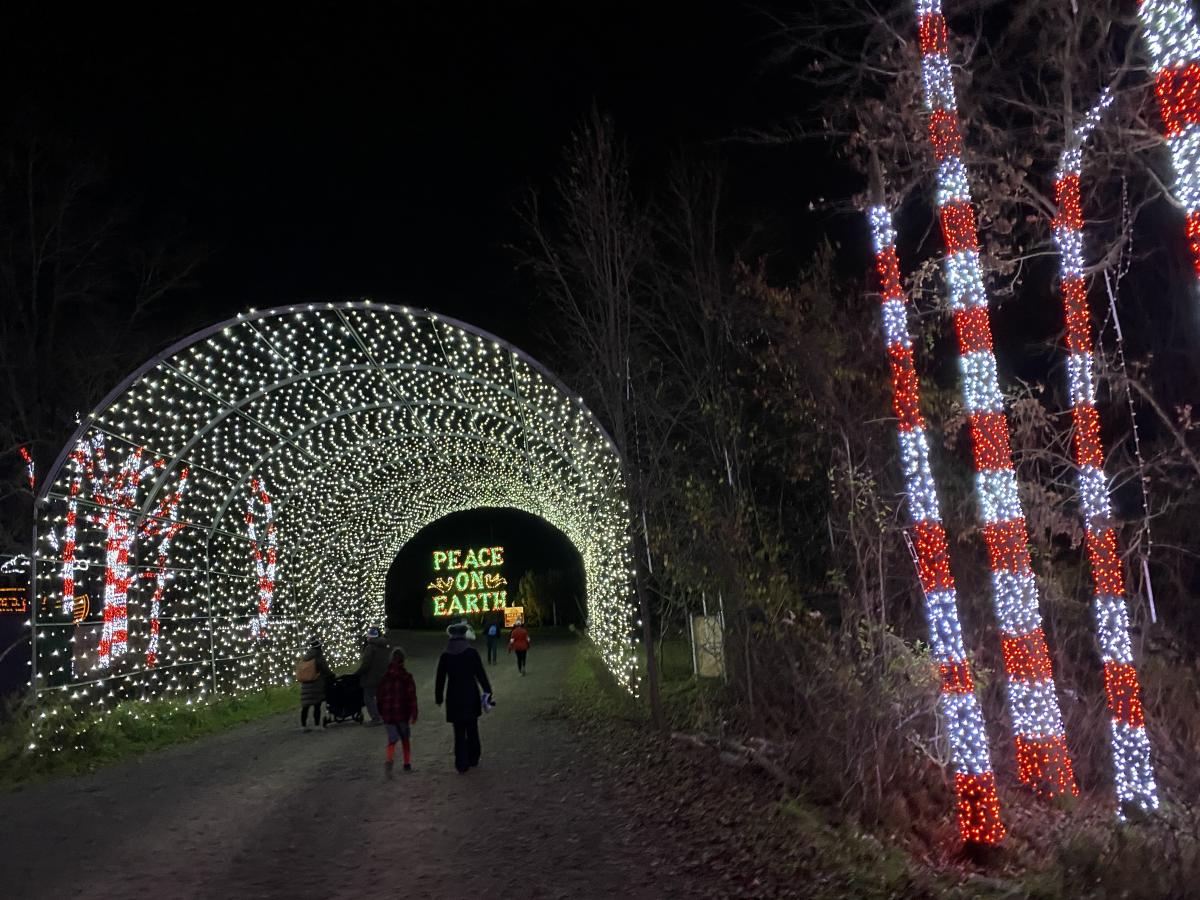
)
(268, 810)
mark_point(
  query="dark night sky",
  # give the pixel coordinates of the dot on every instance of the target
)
(322, 154)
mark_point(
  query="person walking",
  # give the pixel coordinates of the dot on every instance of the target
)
(397, 699)
(518, 642)
(493, 640)
(312, 672)
(460, 675)
(376, 656)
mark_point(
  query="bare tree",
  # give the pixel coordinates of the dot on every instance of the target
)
(80, 273)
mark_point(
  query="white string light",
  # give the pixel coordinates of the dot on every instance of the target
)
(368, 422)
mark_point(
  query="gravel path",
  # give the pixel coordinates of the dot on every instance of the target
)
(267, 810)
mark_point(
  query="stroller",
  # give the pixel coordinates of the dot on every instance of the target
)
(344, 699)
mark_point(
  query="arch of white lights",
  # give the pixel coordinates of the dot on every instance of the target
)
(327, 435)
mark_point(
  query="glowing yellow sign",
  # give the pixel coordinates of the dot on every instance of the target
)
(466, 587)
(14, 600)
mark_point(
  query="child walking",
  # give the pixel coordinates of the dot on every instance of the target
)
(397, 699)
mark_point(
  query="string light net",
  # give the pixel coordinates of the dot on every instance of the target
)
(1173, 41)
(1133, 773)
(1043, 762)
(974, 781)
(313, 442)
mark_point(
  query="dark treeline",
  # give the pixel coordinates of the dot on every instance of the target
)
(754, 413)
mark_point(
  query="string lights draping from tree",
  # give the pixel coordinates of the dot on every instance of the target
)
(1133, 773)
(1173, 41)
(974, 781)
(1043, 760)
(315, 440)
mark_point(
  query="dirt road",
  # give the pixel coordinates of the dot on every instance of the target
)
(267, 810)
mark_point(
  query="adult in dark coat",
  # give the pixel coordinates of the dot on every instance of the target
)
(312, 693)
(376, 655)
(460, 675)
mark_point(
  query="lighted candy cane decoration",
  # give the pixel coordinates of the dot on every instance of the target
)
(119, 495)
(164, 525)
(264, 559)
(1174, 44)
(974, 781)
(81, 457)
(1134, 775)
(1043, 761)
(30, 470)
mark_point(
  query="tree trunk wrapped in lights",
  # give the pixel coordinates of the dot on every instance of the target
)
(1173, 41)
(1043, 761)
(1133, 773)
(974, 781)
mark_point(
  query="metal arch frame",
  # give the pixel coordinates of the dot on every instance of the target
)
(123, 386)
(297, 540)
(395, 536)
(165, 357)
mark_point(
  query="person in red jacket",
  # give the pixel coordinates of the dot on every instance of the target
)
(397, 699)
(518, 642)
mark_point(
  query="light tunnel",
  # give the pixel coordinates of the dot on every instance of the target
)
(251, 485)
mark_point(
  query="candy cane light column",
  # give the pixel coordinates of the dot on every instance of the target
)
(1132, 771)
(1043, 761)
(974, 781)
(1173, 41)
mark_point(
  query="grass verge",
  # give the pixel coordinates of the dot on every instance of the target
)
(731, 830)
(41, 744)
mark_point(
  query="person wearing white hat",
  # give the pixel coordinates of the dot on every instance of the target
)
(460, 675)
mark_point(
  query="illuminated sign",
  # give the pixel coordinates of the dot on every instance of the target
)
(463, 585)
(513, 615)
(14, 600)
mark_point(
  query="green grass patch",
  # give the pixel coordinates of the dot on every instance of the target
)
(675, 660)
(36, 744)
(592, 694)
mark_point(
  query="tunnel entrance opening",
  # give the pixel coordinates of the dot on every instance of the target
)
(451, 569)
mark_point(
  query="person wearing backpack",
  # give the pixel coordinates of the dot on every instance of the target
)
(493, 641)
(312, 671)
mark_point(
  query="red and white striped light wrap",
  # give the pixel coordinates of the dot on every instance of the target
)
(264, 558)
(1132, 770)
(81, 458)
(117, 494)
(1173, 42)
(974, 781)
(164, 525)
(1043, 761)
(30, 469)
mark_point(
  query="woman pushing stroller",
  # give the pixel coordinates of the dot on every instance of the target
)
(312, 672)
